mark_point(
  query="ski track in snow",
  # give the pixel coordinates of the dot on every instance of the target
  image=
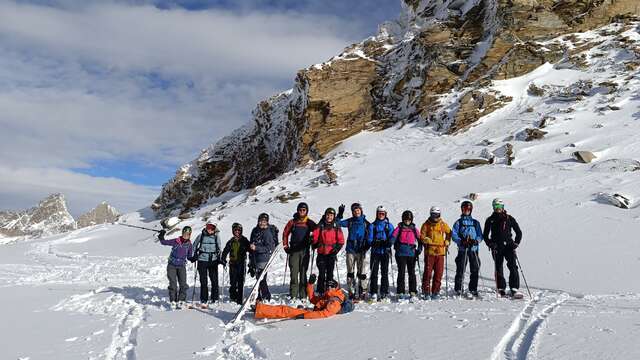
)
(522, 339)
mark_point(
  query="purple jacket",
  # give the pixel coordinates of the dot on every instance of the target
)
(180, 251)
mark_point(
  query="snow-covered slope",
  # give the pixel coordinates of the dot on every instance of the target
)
(102, 290)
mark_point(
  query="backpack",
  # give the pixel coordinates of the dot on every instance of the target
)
(346, 307)
(415, 232)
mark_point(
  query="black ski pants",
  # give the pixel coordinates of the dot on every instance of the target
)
(499, 256)
(379, 262)
(236, 282)
(406, 264)
(325, 264)
(473, 260)
(208, 270)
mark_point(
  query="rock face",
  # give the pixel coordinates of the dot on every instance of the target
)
(101, 214)
(433, 65)
(50, 217)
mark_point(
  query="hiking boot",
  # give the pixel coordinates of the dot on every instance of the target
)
(435, 297)
(502, 293)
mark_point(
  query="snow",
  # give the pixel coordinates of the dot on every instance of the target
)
(100, 292)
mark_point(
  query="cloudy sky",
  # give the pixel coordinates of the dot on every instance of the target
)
(103, 100)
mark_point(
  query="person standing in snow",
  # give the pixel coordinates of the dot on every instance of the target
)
(296, 238)
(380, 243)
(467, 234)
(207, 254)
(358, 239)
(435, 235)
(262, 243)
(236, 249)
(407, 245)
(328, 240)
(498, 230)
(181, 250)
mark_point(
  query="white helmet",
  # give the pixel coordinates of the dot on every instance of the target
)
(381, 209)
(497, 203)
(434, 210)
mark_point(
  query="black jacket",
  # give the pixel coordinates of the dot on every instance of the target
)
(241, 256)
(498, 231)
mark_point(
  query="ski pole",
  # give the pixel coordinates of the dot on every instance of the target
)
(313, 255)
(337, 269)
(224, 275)
(139, 227)
(495, 271)
(464, 270)
(446, 271)
(419, 270)
(284, 277)
(195, 277)
(393, 276)
(522, 272)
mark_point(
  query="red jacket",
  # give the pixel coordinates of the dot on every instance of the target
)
(328, 238)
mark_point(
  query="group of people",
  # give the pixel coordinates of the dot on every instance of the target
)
(303, 240)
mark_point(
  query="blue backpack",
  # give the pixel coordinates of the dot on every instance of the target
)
(347, 307)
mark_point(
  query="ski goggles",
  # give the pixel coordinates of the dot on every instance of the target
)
(498, 206)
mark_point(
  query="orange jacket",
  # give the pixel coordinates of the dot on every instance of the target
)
(436, 236)
(326, 305)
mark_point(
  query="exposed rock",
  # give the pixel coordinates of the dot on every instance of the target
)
(532, 134)
(584, 156)
(473, 196)
(617, 165)
(434, 65)
(50, 217)
(101, 214)
(535, 90)
(467, 163)
(618, 200)
(506, 152)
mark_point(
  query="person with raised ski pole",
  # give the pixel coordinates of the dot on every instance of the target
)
(467, 234)
(296, 238)
(262, 243)
(181, 250)
(407, 245)
(207, 254)
(498, 234)
(435, 235)
(380, 243)
(358, 240)
(327, 241)
(236, 248)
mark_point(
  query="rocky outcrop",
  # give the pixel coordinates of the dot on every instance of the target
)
(433, 65)
(50, 217)
(101, 214)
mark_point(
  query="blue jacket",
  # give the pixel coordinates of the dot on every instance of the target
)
(360, 234)
(380, 239)
(406, 232)
(207, 247)
(265, 241)
(465, 227)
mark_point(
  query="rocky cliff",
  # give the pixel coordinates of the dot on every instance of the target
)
(48, 218)
(103, 213)
(432, 65)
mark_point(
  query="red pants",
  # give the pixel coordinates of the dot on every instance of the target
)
(264, 311)
(433, 264)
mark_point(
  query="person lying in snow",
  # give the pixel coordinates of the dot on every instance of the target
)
(332, 302)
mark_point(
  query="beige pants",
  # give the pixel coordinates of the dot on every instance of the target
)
(357, 267)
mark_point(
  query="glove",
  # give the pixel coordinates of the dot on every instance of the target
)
(223, 263)
(335, 249)
(252, 271)
(287, 250)
(515, 245)
(315, 246)
(161, 234)
(312, 279)
(340, 211)
(192, 259)
(300, 317)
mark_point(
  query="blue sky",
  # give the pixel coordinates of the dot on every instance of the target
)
(103, 100)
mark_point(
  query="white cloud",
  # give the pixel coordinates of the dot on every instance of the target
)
(104, 81)
(24, 187)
